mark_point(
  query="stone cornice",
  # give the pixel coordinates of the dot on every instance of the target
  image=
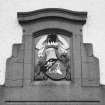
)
(24, 17)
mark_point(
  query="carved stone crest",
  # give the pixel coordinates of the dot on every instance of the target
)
(53, 58)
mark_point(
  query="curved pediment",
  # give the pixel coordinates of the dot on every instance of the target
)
(52, 13)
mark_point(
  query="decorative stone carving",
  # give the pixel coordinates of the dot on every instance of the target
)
(53, 58)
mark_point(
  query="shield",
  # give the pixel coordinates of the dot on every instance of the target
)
(57, 71)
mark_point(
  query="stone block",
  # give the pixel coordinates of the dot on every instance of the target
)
(14, 74)
(28, 56)
(90, 67)
(28, 67)
(27, 42)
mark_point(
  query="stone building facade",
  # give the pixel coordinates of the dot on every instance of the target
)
(52, 65)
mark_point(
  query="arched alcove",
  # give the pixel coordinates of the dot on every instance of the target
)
(54, 31)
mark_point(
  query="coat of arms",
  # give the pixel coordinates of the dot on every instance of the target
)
(53, 58)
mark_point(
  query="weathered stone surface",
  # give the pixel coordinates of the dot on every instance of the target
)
(83, 88)
(90, 67)
(14, 67)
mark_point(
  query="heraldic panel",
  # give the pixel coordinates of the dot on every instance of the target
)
(52, 57)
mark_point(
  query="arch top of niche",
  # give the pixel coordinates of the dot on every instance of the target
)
(51, 31)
